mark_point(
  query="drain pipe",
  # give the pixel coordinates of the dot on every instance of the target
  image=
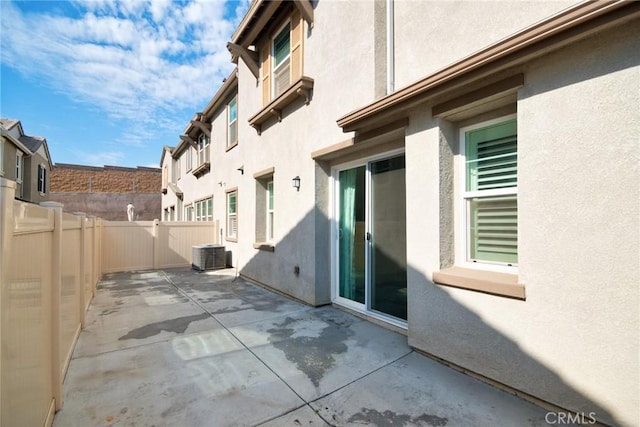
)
(390, 49)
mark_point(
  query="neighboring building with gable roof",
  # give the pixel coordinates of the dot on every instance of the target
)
(26, 160)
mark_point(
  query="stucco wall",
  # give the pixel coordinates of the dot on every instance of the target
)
(574, 341)
(464, 27)
(301, 223)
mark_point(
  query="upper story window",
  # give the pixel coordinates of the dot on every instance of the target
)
(490, 192)
(281, 55)
(19, 167)
(203, 149)
(188, 160)
(165, 176)
(232, 122)
(42, 179)
(176, 170)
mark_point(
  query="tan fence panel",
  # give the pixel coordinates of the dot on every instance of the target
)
(26, 331)
(70, 302)
(176, 239)
(127, 246)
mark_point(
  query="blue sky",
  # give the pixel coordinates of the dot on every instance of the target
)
(111, 82)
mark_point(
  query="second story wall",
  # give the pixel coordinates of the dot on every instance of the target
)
(438, 33)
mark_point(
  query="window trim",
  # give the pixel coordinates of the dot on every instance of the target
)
(462, 237)
(188, 159)
(228, 237)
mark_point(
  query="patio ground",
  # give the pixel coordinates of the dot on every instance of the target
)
(182, 348)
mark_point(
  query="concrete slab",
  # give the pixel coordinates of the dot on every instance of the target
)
(319, 351)
(233, 301)
(161, 312)
(304, 416)
(416, 390)
(194, 380)
(202, 349)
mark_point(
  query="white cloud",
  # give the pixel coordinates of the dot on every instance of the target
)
(134, 60)
(100, 158)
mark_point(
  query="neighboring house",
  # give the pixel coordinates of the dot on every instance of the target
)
(24, 159)
(487, 207)
(106, 191)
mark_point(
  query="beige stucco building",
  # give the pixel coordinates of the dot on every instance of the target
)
(466, 173)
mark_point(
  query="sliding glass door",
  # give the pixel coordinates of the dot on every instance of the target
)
(371, 237)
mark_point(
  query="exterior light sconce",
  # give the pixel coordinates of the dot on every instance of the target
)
(295, 182)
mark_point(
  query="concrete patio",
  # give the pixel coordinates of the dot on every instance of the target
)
(181, 348)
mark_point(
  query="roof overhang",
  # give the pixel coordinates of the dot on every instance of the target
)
(201, 122)
(15, 141)
(551, 34)
(259, 16)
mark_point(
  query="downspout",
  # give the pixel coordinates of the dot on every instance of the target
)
(390, 49)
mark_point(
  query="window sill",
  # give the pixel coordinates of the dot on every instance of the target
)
(299, 89)
(264, 246)
(231, 239)
(202, 169)
(491, 282)
(229, 147)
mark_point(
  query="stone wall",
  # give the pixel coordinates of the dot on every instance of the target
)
(67, 178)
(106, 191)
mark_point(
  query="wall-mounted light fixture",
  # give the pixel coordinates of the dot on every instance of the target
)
(296, 183)
(241, 169)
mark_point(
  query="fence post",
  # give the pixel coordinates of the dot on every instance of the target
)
(81, 295)
(92, 250)
(156, 246)
(56, 286)
(7, 194)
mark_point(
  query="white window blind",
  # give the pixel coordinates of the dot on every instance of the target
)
(491, 193)
(282, 60)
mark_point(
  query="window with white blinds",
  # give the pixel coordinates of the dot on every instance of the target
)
(232, 119)
(232, 215)
(281, 60)
(490, 196)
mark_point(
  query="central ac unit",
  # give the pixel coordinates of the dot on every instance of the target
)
(208, 257)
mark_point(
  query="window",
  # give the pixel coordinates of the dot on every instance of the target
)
(165, 176)
(42, 179)
(281, 51)
(188, 159)
(203, 149)
(232, 118)
(188, 213)
(489, 196)
(265, 210)
(204, 209)
(166, 214)
(270, 211)
(232, 215)
(177, 172)
(19, 166)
